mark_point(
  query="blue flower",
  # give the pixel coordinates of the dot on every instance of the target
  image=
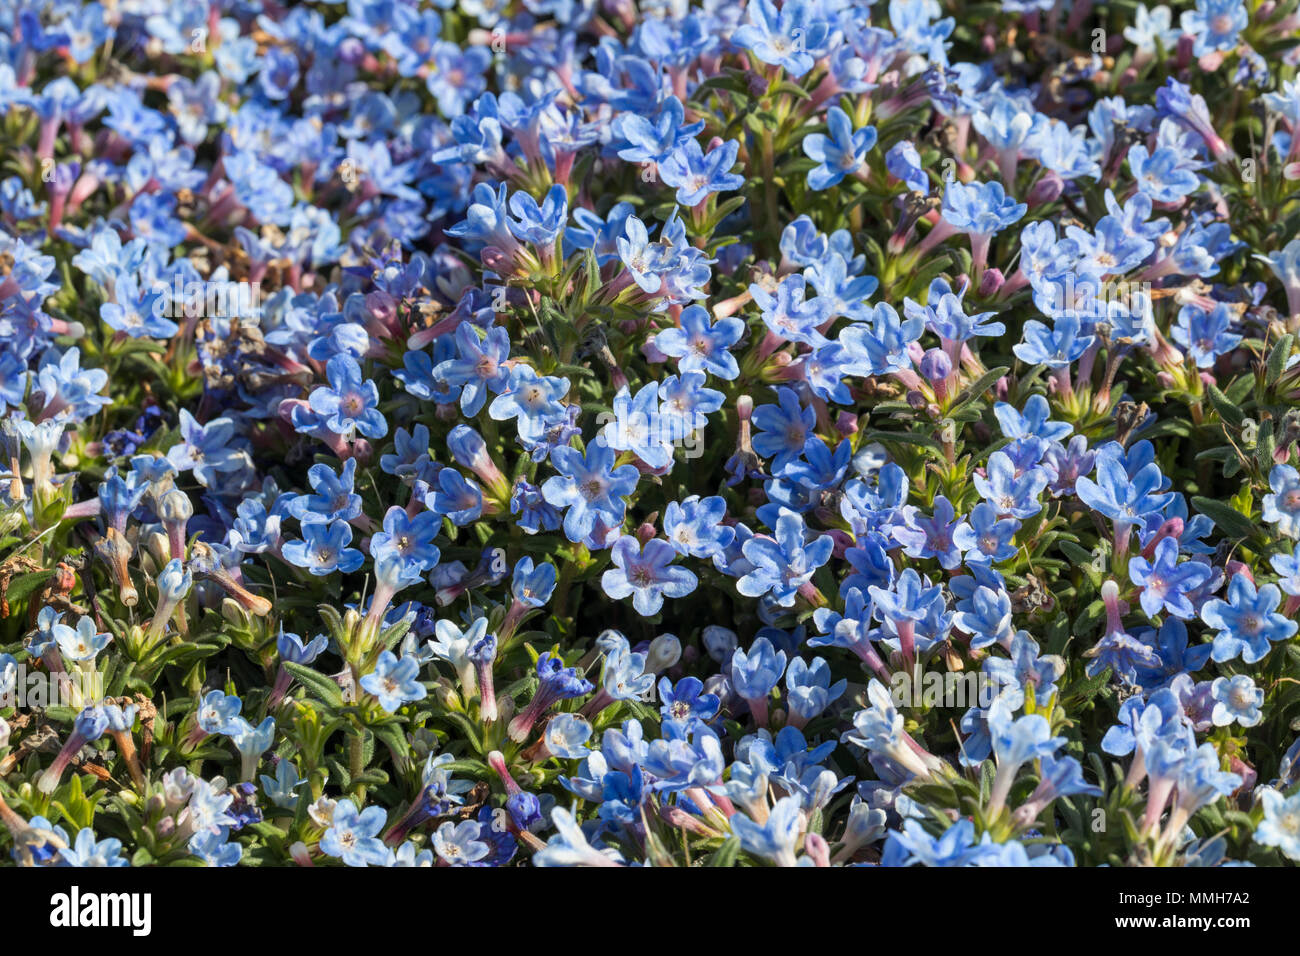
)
(945, 316)
(590, 487)
(1204, 334)
(350, 402)
(810, 689)
(324, 549)
(535, 513)
(1010, 493)
(290, 647)
(933, 537)
(558, 682)
(1236, 699)
(458, 843)
(1165, 583)
(685, 404)
(333, 500)
(838, 154)
(540, 225)
(1016, 740)
(652, 141)
(646, 574)
(639, 428)
(408, 538)
(353, 835)
(281, 788)
(1282, 504)
(533, 585)
(777, 838)
(904, 163)
(1057, 346)
(786, 313)
(137, 313)
(1247, 621)
(985, 537)
(567, 736)
(87, 851)
(1216, 25)
(82, 643)
(215, 848)
(696, 175)
(569, 846)
(456, 497)
(699, 345)
(754, 673)
(981, 209)
(1161, 174)
(217, 711)
(1176, 656)
(623, 675)
(784, 563)
(211, 450)
(532, 400)
(686, 701)
(694, 526)
(1125, 500)
(480, 367)
(785, 429)
(394, 681)
(1281, 824)
(913, 845)
(986, 616)
(882, 344)
(791, 37)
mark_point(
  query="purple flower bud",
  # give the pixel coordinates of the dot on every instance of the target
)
(935, 365)
(1047, 189)
(991, 282)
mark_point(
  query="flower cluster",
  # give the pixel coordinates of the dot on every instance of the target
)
(799, 433)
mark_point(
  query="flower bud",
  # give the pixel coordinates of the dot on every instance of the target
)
(665, 651)
(935, 366)
(1047, 189)
(174, 582)
(991, 282)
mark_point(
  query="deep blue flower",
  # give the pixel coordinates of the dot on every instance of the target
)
(394, 681)
(350, 402)
(590, 487)
(696, 175)
(784, 429)
(1165, 583)
(701, 345)
(1247, 621)
(324, 549)
(646, 574)
(791, 37)
(838, 153)
(785, 562)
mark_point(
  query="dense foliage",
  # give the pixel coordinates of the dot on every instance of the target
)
(574, 432)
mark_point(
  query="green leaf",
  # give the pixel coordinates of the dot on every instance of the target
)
(1228, 411)
(1230, 521)
(985, 382)
(24, 584)
(1239, 389)
(1277, 359)
(319, 684)
(726, 854)
(1085, 689)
